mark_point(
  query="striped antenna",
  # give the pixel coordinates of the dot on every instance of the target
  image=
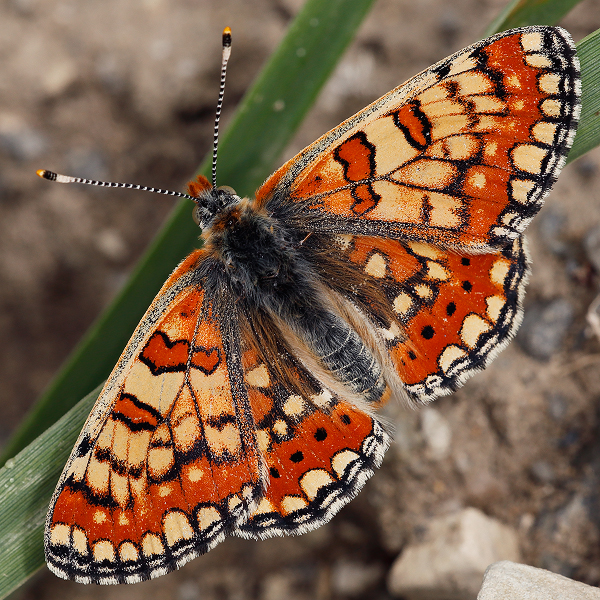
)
(224, 60)
(51, 176)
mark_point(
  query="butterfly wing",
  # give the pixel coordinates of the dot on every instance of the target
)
(318, 448)
(429, 190)
(462, 154)
(168, 461)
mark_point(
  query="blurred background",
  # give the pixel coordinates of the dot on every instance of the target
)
(126, 91)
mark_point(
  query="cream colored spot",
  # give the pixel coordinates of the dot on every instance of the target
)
(495, 304)
(472, 83)
(449, 355)
(499, 271)
(462, 63)
(104, 550)
(433, 94)
(263, 439)
(426, 173)
(195, 473)
(344, 240)
(138, 448)
(258, 377)
(436, 271)
(445, 107)
(323, 400)
(78, 467)
(392, 333)
(539, 61)
(513, 81)
(165, 489)
(402, 303)
(487, 104)
(80, 541)
(290, 504)
(207, 516)
(128, 552)
(215, 391)
(383, 133)
(143, 385)
(477, 179)
(160, 460)
(521, 189)
(457, 147)
(119, 487)
(223, 440)
(176, 527)
(99, 517)
(105, 439)
(312, 481)
(531, 41)
(551, 107)
(186, 432)
(544, 132)
(550, 83)
(60, 534)
(120, 443)
(423, 291)
(233, 503)
(97, 475)
(397, 203)
(473, 326)
(507, 218)
(151, 545)
(294, 406)
(341, 460)
(528, 158)
(490, 149)
(376, 266)
(518, 105)
(426, 250)
(444, 210)
(123, 519)
(264, 506)
(280, 428)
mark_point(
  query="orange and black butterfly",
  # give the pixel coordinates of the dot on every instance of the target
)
(385, 260)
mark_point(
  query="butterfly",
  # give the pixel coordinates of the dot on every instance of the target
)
(386, 260)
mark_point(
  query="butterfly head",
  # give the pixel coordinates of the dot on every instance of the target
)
(211, 202)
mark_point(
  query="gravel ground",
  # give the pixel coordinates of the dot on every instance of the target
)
(126, 91)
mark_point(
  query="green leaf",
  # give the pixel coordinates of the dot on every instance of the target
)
(26, 484)
(264, 123)
(588, 132)
(530, 12)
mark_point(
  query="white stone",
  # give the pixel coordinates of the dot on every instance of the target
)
(507, 580)
(450, 561)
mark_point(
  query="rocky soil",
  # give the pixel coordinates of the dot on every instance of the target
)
(126, 91)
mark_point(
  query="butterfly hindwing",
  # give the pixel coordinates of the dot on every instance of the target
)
(462, 154)
(319, 450)
(167, 462)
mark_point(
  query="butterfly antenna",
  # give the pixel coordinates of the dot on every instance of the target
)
(224, 60)
(51, 176)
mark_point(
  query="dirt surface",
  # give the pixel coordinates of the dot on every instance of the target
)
(126, 91)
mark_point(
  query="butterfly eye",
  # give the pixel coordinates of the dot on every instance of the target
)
(196, 215)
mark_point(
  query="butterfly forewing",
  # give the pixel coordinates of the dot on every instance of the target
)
(461, 155)
(168, 461)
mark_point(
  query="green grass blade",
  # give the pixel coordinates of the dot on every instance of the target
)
(264, 123)
(519, 13)
(588, 132)
(26, 484)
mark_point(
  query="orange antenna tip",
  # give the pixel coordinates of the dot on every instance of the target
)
(227, 37)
